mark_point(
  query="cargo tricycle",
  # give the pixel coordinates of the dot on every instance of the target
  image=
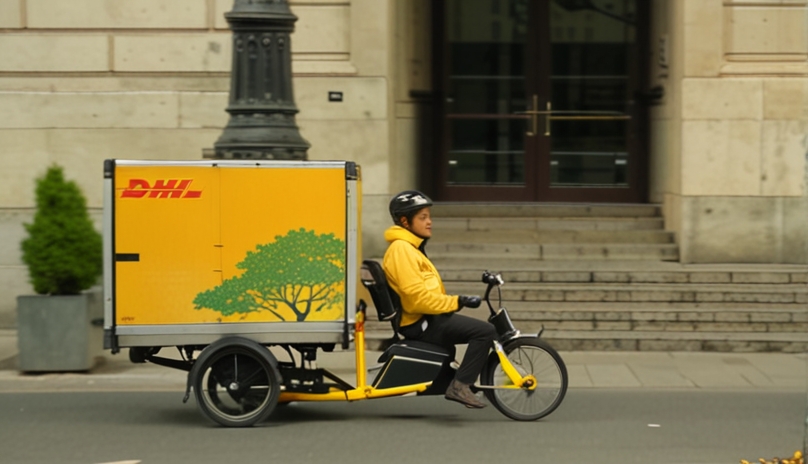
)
(234, 261)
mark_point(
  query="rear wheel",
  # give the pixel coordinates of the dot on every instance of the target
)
(530, 356)
(237, 387)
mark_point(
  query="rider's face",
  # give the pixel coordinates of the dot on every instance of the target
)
(421, 223)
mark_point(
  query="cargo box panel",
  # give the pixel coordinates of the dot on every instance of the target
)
(204, 249)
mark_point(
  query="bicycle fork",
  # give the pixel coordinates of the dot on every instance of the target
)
(518, 381)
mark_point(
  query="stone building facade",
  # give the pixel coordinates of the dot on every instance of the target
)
(723, 131)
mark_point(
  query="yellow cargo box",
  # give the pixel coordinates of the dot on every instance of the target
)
(194, 251)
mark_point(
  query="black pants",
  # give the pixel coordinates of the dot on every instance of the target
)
(448, 330)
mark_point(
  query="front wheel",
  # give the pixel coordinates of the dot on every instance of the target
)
(530, 356)
(236, 386)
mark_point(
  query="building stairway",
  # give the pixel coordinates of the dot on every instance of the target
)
(606, 278)
(551, 232)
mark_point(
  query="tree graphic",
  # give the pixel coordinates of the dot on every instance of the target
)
(300, 271)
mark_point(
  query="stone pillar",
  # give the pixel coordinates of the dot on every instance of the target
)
(262, 106)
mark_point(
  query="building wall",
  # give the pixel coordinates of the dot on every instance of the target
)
(729, 143)
(86, 80)
(412, 86)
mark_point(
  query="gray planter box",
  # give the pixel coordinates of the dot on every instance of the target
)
(56, 333)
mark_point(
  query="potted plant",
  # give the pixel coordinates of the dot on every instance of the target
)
(63, 252)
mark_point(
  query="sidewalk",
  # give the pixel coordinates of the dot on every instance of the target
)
(610, 370)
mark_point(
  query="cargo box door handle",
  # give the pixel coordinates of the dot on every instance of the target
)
(124, 257)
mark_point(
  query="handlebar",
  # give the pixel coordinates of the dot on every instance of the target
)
(499, 317)
(493, 280)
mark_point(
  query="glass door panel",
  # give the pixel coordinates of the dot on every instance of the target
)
(488, 152)
(590, 92)
(485, 88)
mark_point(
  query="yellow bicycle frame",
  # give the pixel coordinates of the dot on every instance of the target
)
(364, 391)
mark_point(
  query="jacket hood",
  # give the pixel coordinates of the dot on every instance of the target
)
(399, 233)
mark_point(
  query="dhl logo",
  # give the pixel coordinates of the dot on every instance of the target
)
(162, 188)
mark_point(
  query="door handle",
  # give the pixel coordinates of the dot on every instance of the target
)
(534, 117)
(581, 116)
(561, 115)
(590, 118)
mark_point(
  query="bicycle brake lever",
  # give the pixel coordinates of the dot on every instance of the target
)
(492, 279)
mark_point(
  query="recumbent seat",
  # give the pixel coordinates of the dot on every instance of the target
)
(406, 362)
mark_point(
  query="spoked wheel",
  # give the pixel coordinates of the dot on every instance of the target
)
(529, 356)
(236, 386)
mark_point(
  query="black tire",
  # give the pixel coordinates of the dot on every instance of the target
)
(529, 356)
(236, 386)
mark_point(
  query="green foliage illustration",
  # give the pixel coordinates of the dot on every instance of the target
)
(63, 250)
(301, 272)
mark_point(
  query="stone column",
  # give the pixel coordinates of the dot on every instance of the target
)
(262, 106)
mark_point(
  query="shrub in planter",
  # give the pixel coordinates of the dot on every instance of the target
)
(63, 252)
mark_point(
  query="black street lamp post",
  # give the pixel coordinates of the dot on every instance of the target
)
(262, 105)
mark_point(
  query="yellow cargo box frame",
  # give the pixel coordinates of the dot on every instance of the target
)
(198, 250)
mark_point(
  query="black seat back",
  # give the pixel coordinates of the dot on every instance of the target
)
(386, 301)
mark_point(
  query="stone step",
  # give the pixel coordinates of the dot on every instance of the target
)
(664, 326)
(640, 311)
(727, 322)
(499, 224)
(600, 315)
(569, 340)
(648, 326)
(663, 252)
(531, 236)
(711, 276)
(633, 340)
(761, 293)
(644, 310)
(536, 210)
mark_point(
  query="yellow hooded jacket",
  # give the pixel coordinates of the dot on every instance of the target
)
(413, 276)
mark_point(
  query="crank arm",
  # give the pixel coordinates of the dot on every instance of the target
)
(491, 387)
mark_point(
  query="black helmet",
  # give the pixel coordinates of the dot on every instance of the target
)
(408, 202)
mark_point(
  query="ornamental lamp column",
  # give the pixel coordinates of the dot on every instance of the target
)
(262, 106)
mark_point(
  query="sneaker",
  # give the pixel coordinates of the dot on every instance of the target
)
(461, 393)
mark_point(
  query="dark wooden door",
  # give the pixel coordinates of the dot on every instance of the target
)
(538, 100)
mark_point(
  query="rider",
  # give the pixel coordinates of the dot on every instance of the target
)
(428, 312)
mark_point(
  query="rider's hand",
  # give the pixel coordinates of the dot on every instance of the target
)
(464, 301)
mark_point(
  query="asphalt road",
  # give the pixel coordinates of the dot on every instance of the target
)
(591, 426)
